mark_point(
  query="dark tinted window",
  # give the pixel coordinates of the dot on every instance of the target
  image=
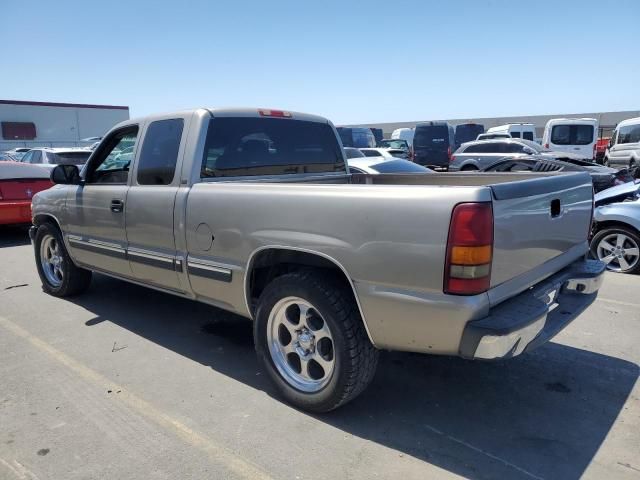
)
(629, 134)
(515, 134)
(399, 166)
(37, 157)
(512, 166)
(159, 155)
(527, 135)
(353, 153)
(489, 147)
(512, 148)
(269, 146)
(371, 153)
(431, 136)
(68, 158)
(572, 134)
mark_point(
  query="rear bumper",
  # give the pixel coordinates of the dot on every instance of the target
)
(533, 317)
(15, 212)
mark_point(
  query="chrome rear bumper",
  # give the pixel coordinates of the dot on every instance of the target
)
(533, 317)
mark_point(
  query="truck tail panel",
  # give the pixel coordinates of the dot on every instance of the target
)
(540, 225)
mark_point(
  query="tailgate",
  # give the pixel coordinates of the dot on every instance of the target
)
(541, 225)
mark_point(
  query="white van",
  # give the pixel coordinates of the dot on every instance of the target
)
(404, 134)
(575, 135)
(624, 148)
(516, 130)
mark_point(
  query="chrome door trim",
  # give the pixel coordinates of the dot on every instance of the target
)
(204, 268)
(97, 246)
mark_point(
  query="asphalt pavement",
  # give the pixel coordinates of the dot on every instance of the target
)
(129, 383)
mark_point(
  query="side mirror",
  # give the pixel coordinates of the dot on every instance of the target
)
(610, 143)
(65, 175)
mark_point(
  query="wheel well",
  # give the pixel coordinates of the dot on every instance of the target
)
(44, 218)
(268, 264)
(613, 224)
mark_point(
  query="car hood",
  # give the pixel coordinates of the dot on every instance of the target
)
(620, 191)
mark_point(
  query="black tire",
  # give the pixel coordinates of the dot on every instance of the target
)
(469, 168)
(75, 280)
(605, 161)
(597, 238)
(356, 358)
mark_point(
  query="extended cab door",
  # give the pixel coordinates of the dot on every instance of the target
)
(96, 209)
(150, 204)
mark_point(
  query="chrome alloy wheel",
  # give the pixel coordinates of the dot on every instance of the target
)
(619, 252)
(51, 260)
(300, 344)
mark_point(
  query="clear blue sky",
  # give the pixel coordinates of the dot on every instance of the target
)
(353, 62)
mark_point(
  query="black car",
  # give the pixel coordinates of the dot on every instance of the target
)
(433, 143)
(602, 177)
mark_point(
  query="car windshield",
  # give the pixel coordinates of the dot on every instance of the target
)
(353, 153)
(536, 146)
(400, 144)
(399, 166)
(69, 158)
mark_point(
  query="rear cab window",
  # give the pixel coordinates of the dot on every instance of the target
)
(248, 146)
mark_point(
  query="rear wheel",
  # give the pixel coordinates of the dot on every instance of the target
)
(311, 340)
(59, 275)
(618, 248)
(469, 168)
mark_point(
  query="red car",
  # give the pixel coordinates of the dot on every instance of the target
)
(19, 182)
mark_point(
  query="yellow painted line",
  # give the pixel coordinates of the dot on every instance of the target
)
(218, 453)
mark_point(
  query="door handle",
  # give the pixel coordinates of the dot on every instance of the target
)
(117, 206)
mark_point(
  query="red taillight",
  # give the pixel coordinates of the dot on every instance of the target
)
(546, 145)
(449, 153)
(274, 113)
(469, 249)
(452, 159)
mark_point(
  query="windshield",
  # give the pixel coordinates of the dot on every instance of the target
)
(399, 144)
(69, 158)
(353, 153)
(536, 146)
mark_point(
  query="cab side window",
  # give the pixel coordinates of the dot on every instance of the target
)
(37, 156)
(159, 154)
(113, 160)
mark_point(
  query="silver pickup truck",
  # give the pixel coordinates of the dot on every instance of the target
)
(255, 212)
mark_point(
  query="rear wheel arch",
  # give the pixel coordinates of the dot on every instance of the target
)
(268, 263)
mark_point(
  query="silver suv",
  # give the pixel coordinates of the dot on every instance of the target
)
(480, 154)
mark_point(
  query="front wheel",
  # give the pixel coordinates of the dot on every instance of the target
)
(310, 339)
(618, 248)
(59, 275)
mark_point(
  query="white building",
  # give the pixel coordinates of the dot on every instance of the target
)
(46, 124)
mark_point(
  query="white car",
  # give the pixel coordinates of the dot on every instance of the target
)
(50, 157)
(526, 131)
(375, 165)
(574, 135)
(616, 228)
(385, 152)
(624, 148)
